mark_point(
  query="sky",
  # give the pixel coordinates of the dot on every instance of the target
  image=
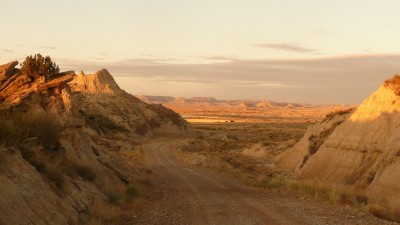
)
(305, 51)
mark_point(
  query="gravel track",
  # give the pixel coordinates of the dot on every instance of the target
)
(199, 196)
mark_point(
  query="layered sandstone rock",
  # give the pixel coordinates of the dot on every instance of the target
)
(360, 147)
(7, 70)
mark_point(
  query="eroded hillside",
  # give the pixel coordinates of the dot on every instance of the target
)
(62, 140)
(358, 147)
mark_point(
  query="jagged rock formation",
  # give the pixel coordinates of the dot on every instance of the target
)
(358, 147)
(98, 122)
(7, 70)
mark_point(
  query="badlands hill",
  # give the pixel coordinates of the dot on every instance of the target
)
(62, 141)
(359, 147)
(263, 109)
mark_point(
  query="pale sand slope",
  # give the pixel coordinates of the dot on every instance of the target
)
(360, 148)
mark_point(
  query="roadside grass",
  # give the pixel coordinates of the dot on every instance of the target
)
(313, 189)
(122, 200)
(225, 156)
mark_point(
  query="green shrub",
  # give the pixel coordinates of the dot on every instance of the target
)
(113, 195)
(131, 192)
(37, 66)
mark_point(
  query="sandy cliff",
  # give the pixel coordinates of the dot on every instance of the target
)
(360, 147)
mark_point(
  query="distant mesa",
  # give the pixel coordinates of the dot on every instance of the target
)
(155, 99)
(244, 105)
(210, 106)
(289, 106)
(264, 105)
(203, 99)
(180, 100)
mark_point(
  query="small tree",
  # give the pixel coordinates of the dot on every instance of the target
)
(37, 66)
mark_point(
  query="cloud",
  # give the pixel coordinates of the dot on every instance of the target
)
(289, 47)
(48, 47)
(7, 50)
(220, 57)
(344, 79)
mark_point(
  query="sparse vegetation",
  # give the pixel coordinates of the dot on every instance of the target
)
(317, 140)
(72, 169)
(194, 146)
(86, 173)
(225, 157)
(19, 127)
(36, 66)
(43, 167)
(131, 192)
(331, 115)
(101, 123)
(394, 84)
(119, 194)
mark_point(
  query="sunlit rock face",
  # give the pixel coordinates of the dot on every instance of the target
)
(360, 147)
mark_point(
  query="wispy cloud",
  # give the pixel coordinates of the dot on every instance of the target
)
(7, 50)
(220, 57)
(48, 47)
(289, 47)
(345, 79)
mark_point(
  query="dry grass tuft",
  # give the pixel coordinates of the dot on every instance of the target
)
(331, 115)
(87, 173)
(194, 146)
(17, 127)
(224, 155)
(53, 173)
(120, 194)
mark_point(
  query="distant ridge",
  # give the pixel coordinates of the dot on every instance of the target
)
(210, 106)
(249, 103)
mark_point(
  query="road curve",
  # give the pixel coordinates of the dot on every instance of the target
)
(198, 196)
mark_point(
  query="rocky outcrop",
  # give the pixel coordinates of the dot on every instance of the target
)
(100, 82)
(359, 148)
(7, 70)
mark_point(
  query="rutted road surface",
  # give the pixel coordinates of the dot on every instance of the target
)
(198, 196)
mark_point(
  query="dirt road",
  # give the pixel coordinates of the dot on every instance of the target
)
(198, 196)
